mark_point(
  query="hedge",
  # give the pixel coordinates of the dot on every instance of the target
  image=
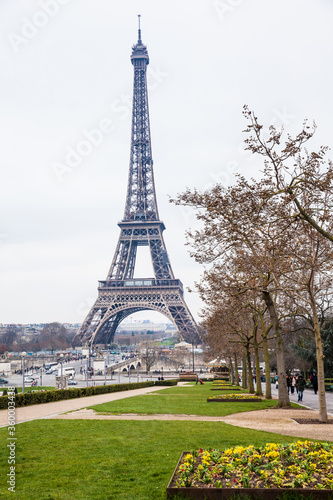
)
(166, 382)
(35, 398)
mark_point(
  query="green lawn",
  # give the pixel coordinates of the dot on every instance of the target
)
(100, 460)
(191, 400)
(120, 460)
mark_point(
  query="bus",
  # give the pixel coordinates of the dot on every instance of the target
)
(68, 370)
(49, 366)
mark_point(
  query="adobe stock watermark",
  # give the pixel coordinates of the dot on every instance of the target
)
(93, 138)
(280, 118)
(225, 7)
(84, 307)
(225, 176)
(31, 27)
(11, 445)
(74, 155)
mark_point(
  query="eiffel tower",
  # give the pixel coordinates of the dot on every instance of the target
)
(121, 294)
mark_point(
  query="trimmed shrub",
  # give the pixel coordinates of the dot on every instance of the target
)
(166, 382)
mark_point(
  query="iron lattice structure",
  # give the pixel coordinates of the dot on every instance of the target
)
(121, 294)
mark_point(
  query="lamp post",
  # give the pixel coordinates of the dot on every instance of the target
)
(23, 354)
(104, 371)
(193, 356)
(162, 373)
(61, 359)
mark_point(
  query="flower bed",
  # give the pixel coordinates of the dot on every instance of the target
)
(223, 388)
(303, 467)
(233, 397)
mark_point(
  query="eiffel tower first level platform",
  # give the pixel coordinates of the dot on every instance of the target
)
(122, 294)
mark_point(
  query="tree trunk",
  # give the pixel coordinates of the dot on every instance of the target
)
(248, 356)
(282, 381)
(231, 371)
(257, 363)
(236, 369)
(244, 373)
(320, 356)
(267, 369)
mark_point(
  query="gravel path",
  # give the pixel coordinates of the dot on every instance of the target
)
(282, 422)
(276, 421)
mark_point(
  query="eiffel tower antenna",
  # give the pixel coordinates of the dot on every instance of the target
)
(121, 294)
(139, 31)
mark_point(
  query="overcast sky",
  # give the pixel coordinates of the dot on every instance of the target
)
(66, 71)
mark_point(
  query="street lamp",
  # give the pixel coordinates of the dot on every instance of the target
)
(23, 354)
(61, 358)
(193, 356)
(105, 371)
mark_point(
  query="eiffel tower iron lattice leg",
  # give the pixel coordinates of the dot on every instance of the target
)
(121, 294)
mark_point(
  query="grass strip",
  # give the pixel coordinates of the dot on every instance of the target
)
(193, 401)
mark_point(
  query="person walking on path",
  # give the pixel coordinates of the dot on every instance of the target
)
(301, 386)
(293, 383)
(314, 382)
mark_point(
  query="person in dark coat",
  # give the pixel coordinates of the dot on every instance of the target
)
(301, 386)
(314, 382)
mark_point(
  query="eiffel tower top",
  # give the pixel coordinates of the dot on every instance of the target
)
(141, 204)
(139, 50)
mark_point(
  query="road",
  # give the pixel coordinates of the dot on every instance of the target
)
(118, 377)
(310, 399)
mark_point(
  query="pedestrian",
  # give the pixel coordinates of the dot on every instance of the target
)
(314, 381)
(301, 386)
(289, 380)
(293, 383)
(276, 382)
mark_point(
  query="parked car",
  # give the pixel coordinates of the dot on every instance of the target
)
(72, 382)
(48, 372)
(28, 380)
(3, 381)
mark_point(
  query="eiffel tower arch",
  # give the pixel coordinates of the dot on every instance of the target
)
(121, 294)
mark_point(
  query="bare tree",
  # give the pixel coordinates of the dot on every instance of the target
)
(237, 227)
(9, 336)
(294, 174)
(148, 355)
(54, 336)
(310, 276)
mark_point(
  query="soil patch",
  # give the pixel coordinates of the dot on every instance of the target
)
(311, 421)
